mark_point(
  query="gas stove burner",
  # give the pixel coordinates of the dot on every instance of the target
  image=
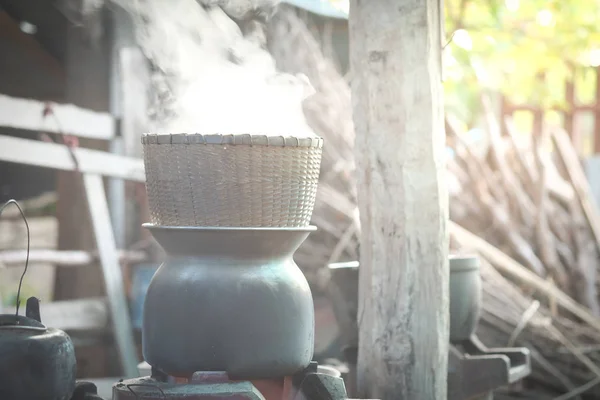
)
(314, 383)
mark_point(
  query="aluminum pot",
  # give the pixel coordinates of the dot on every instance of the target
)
(465, 297)
(229, 299)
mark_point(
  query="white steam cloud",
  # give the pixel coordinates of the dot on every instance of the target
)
(212, 77)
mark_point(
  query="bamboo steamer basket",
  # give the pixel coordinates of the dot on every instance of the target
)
(238, 180)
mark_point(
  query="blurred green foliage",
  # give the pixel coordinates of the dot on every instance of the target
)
(525, 49)
(506, 45)
(10, 296)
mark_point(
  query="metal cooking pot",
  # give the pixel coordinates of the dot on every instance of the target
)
(465, 297)
(229, 299)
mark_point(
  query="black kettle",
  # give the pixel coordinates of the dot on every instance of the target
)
(36, 362)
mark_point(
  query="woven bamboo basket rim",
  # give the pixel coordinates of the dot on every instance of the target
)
(308, 228)
(244, 139)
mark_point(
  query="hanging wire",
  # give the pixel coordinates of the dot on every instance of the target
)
(12, 201)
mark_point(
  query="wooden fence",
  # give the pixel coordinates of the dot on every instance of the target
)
(573, 113)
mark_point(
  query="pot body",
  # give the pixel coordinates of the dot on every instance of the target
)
(465, 297)
(36, 363)
(229, 300)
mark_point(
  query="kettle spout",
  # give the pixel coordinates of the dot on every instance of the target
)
(32, 309)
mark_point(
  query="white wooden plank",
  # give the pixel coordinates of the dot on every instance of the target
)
(109, 259)
(68, 119)
(56, 156)
(64, 258)
(73, 315)
(135, 80)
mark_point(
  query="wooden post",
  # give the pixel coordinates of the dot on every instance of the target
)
(596, 149)
(87, 86)
(135, 80)
(398, 115)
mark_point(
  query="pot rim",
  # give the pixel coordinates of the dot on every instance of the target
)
(344, 264)
(233, 242)
(20, 323)
(328, 370)
(151, 226)
(463, 262)
(244, 139)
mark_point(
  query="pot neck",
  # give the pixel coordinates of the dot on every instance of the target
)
(240, 243)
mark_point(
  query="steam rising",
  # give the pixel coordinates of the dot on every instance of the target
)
(211, 77)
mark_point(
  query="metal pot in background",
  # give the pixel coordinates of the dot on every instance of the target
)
(473, 369)
(465, 296)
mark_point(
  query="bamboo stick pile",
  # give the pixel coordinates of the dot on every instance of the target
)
(534, 208)
(524, 206)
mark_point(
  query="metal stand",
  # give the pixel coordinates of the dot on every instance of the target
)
(202, 386)
(314, 383)
(474, 370)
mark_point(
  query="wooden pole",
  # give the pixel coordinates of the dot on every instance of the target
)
(397, 94)
(596, 149)
(87, 86)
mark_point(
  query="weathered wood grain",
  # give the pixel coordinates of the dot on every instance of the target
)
(399, 150)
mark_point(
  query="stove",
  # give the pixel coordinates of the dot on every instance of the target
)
(314, 383)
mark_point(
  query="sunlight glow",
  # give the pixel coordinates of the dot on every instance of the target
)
(462, 39)
(28, 28)
(512, 5)
(342, 5)
(545, 18)
(490, 40)
(594, 57)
